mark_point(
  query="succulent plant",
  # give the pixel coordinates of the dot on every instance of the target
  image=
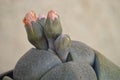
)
(57, 57)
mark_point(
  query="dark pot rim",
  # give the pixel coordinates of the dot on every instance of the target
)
(8, 73)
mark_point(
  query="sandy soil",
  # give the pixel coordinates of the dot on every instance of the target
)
(94, 22)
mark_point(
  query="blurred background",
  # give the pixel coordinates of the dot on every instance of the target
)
(94, 22)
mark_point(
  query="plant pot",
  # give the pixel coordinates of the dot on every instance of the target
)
(8, 73)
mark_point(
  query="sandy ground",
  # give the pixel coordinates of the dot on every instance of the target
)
(94, 22)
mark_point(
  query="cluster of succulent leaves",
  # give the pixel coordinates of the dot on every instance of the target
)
(57, 57)
(45, 33)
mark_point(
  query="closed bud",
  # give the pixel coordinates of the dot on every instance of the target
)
(62, 45)
(52, 28)
(30, 17)
(52, 15)
(34, 31)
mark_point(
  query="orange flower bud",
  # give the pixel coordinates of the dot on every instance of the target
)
(29, 17)
(52, 15)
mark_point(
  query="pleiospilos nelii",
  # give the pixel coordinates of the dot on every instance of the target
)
(57, 57)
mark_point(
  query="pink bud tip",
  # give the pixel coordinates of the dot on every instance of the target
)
(29, 17)
(52, 14)
(41, 16)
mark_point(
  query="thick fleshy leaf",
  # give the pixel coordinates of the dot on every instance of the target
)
(71, 71)
(80, 52)
(34, 64)
(105, 69)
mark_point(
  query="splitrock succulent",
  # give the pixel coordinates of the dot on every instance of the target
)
(57, 57)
